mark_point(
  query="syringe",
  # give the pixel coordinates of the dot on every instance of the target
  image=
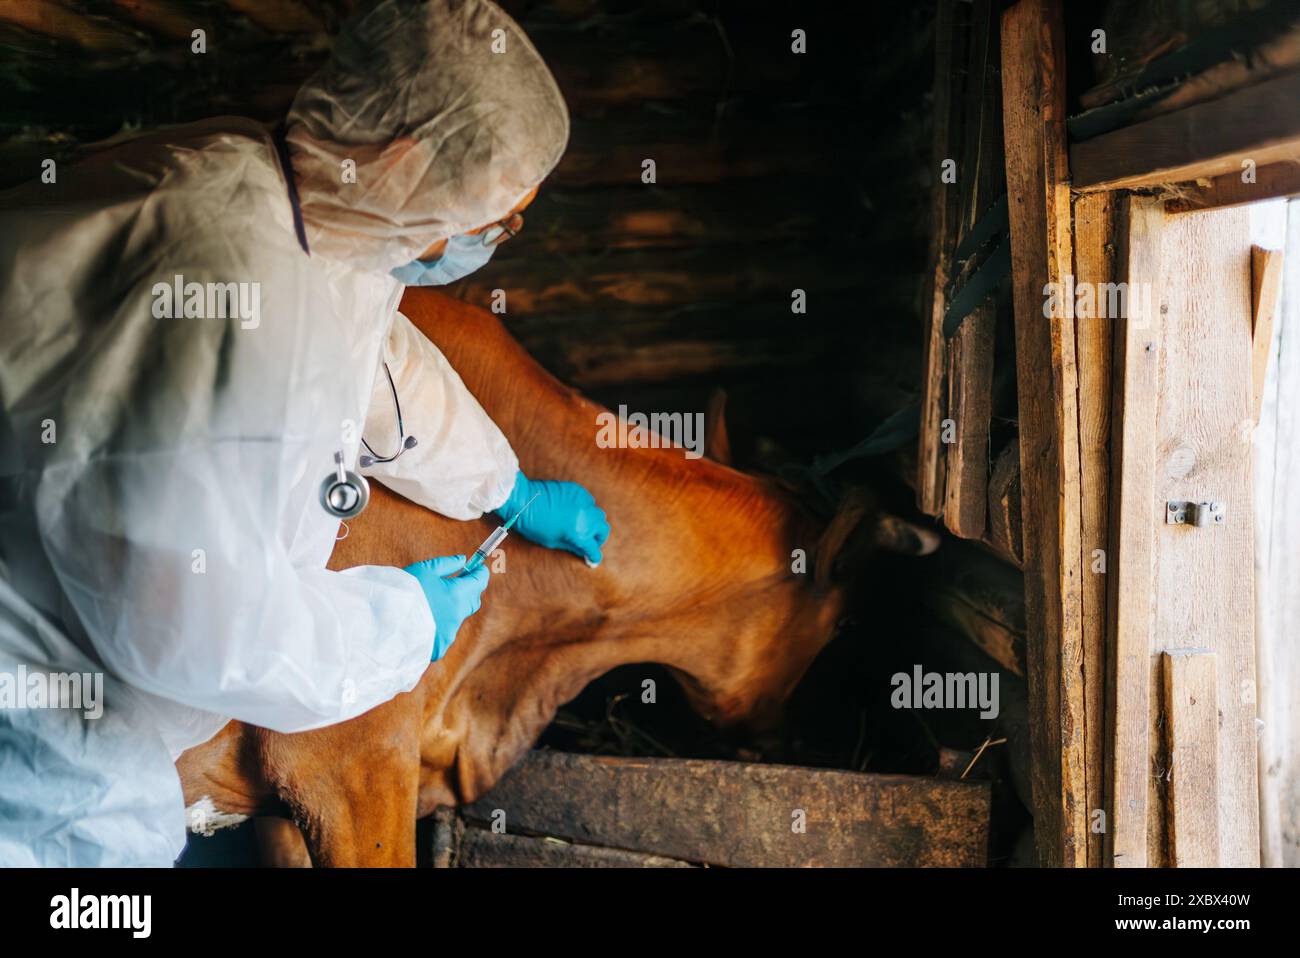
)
(494, 539)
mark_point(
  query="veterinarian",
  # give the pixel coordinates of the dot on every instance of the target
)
(198, 330)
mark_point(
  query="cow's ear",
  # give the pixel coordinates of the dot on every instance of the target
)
(836, 548)
(901, 537)
(717, 444)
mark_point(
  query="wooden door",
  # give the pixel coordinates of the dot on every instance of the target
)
(1181, 696)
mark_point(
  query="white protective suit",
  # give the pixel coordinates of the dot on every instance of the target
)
(160, 471)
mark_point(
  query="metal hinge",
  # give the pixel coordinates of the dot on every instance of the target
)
(1194, 513)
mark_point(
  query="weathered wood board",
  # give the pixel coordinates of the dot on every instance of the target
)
(740, 814)
(983, 598)
(1094, 267)
(930, 453)
(1005, 535)
(1184, 381)
(1228, 189)
(1265, 288)
(482, 848)
(1277, 569)
(970, 392)
(1191, 720)
(1033, 90)
(1258, 123)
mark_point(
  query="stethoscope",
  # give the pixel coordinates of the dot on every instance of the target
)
(344, 493)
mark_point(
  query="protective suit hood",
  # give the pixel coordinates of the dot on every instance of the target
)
(430, 119)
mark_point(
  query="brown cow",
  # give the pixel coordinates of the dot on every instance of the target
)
(697, 575)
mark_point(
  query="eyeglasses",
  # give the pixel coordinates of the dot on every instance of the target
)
(510, 227)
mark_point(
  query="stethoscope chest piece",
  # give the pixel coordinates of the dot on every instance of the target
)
(343, 493)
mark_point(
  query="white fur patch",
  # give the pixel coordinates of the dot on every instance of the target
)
(203, 818)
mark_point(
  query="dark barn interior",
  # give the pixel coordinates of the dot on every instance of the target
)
(774, 172)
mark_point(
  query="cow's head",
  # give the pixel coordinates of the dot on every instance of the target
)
(766, 636)
(738, 624)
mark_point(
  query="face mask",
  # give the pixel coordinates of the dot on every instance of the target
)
(464, 254)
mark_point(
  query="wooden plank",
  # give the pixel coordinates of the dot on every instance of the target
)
(280, 16)
(609, 150)
(1277, 563)
(1186, 388)
(447, 828)
(930, 453)
(692, 276)
(1150, 46)
(970, 405)
(983, 599)
(96, 35)
(1132, 551)
(1205, 420)
(1191, 720)
(1265, 288)
(646, 345)
(482, 848)
(732, 813)
(1094, 245)
(971, 176)
(1228, 189)
(577, 221)
(970, 350)
(1033, 85)
(1208, 139)
(1004, 535)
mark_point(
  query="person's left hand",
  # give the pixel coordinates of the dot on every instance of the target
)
(564, 516)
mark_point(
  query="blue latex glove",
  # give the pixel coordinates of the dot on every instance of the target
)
(564, 516)
(452, 601)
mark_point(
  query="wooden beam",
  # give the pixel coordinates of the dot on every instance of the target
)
(735, 813)
(1191, 721)
(1229, 189)
(1276, 469)
(1265, 288)
(970, 350)
(970, 405)
(280, 16)
(982, 598)
(1132, 551)
(930, 454)
(1033, 86)
(1005, 537)
(95, 35)
(483, 848)
(1259, 123)
(1094, 245)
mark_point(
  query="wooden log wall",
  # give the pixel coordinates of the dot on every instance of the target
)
(775, 171)
(770, 178)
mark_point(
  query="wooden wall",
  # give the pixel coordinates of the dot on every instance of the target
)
(775, 171)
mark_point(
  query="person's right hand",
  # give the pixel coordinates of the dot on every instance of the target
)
(451, 601)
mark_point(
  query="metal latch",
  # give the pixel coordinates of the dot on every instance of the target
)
(1194, 513)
